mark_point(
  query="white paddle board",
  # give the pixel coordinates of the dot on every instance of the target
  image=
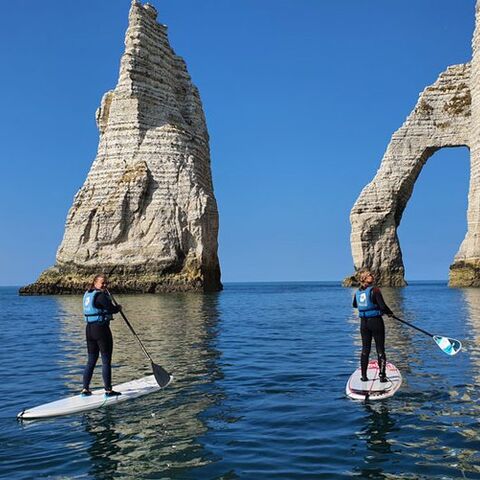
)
(373, 389)
(79, 403)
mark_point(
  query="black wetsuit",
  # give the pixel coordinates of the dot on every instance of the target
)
(100, 340)
(373, 327)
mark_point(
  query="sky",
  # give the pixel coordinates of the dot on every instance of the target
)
(301, 99)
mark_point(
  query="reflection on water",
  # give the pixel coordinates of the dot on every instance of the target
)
(104, 451)
(258, 391)
(376, 430)
(432, 421)
(179, 331)
(375, 433)
(472, 302)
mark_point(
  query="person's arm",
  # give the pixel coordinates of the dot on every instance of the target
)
(102, 300)
(377, 298)
(354, 304)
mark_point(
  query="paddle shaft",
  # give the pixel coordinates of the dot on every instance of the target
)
(413, 326)
(131, 329)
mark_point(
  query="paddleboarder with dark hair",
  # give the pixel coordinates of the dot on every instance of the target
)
(98, 311)
(371, 306)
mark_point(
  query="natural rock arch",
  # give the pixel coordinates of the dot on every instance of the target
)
(441, 118)
(447, 114)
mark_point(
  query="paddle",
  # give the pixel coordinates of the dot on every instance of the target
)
(162, 377)
(450, 346)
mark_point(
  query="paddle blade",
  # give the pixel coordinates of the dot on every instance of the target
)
(450, 346)
(162, 377)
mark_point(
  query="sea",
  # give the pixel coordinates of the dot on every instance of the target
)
(259, 387)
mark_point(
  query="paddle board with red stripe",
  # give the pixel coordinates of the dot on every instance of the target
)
(373, 389)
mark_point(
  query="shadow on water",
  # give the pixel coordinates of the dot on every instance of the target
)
(155, 434)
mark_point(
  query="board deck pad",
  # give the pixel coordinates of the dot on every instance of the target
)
(373, 389)
(78, 403)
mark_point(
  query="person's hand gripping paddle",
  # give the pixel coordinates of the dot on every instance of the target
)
(162, 377)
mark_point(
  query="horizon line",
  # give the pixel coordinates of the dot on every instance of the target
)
(232, 282)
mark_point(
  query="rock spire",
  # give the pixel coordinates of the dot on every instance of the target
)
(146, 214)
(447, 114)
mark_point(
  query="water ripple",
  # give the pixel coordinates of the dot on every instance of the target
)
(258, 393)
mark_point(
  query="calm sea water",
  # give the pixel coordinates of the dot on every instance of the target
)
(260, 373)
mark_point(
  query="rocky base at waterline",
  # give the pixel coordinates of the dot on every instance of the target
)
(382, 279)
(146, 215)
(66, 281)
(465, 274)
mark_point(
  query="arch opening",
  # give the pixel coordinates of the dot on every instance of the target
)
(434, 224)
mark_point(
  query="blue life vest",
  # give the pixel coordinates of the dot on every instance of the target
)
(365, 305)
(92, 313)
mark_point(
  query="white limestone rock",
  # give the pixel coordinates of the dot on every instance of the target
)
(447, 114)
(146, 214)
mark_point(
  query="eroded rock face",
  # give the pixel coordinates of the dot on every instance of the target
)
(465, 270)
(146, 214)
(447, 114)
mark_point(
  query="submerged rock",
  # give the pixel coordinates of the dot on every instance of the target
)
(146, 214)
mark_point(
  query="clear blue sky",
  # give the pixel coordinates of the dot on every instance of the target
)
(301, 98)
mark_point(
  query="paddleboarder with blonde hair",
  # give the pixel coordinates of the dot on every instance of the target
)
(371, 306)
(98, 311)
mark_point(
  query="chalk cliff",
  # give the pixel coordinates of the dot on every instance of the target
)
(447, 114)
(146, 214)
